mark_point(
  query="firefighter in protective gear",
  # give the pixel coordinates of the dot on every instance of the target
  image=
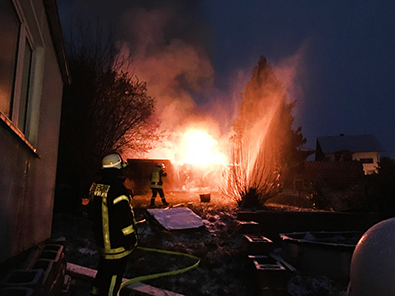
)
(113, 225)
(156, 184)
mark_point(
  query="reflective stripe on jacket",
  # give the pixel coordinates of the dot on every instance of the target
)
(156, 178)
(114, 223)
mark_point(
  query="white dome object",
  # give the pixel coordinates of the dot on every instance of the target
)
(372, 269)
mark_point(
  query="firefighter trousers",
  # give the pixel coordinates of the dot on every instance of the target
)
(109, 276)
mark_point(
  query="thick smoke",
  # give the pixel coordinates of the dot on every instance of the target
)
(170, 45)
(174, 63)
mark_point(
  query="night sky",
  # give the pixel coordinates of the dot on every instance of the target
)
(342, 54)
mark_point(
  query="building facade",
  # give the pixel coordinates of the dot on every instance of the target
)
(363, 148)
(33, 70)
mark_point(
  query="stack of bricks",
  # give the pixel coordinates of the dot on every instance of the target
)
(272, 272)
(272, 275)
(42, 274)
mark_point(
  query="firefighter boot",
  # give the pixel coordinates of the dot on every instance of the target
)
(165, 203)
(152, 203)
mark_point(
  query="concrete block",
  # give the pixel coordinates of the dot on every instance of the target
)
(24, 279)
(249, 227)
(270, 273)
(258, 245)
(46, 265)
(16, 291)
(49, 274)
(57, 284)
(66, 287)
(32, 257)
(54, 252)
(53, 247)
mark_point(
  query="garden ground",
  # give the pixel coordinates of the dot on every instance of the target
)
(224, 269)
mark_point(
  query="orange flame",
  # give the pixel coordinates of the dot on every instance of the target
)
(199, 148)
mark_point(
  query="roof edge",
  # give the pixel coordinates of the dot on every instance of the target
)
(55, 28)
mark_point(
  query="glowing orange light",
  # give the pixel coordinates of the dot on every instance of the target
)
(198, 147)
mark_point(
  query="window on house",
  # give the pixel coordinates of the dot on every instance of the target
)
(366, 160)
(24, 92)
(9, 32)
(16, 59)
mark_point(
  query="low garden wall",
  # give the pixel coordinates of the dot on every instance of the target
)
(274, 222)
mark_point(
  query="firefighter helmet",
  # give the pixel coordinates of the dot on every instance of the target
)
(161, 165)
(113, 160)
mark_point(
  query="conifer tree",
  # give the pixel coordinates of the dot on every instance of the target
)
(265, 146)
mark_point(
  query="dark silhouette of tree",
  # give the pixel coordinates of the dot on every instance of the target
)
(265, 146)
(382, 188)
(104, 109)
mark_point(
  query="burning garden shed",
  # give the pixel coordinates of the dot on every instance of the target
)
(180, 178)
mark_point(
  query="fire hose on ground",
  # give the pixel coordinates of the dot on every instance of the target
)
(162, 274)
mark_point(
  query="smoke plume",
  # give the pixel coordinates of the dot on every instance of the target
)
(170, 45)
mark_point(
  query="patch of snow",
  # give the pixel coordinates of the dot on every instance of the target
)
(87, 251)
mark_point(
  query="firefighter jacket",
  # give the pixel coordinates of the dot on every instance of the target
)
(156, 178)
(112, 215)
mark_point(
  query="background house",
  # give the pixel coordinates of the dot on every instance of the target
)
(363, 148)
(33, 70)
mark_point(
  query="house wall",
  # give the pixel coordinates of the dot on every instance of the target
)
(329, 157)
(368, 168)
(28, 159)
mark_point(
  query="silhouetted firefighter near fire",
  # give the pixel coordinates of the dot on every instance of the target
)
(156, 184)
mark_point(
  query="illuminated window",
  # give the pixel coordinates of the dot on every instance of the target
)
(16, 60)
